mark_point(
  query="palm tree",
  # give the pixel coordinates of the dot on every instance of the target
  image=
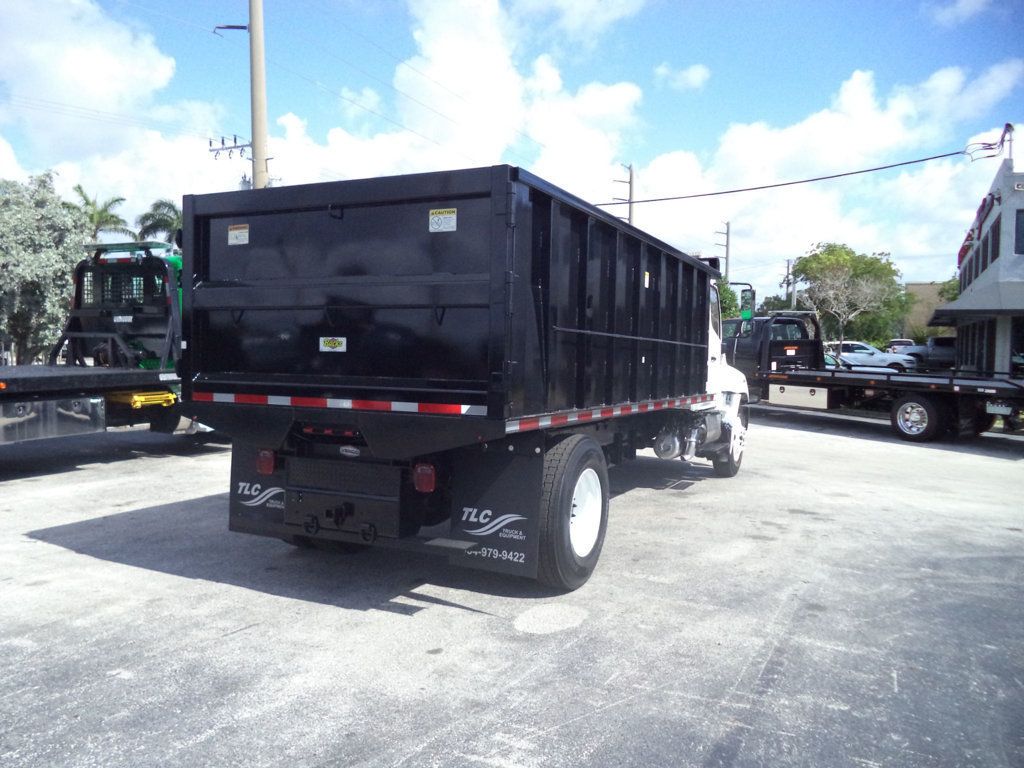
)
(101, 216)
(162, 218)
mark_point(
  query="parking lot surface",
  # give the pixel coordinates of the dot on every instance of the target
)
(846, 600)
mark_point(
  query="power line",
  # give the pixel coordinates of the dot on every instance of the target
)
(792, 183)
(98, 115)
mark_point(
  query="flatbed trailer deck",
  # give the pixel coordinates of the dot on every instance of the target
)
(922, 406)
(34, 382)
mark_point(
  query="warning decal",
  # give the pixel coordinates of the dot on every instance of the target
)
(238, 234)
(443, 219)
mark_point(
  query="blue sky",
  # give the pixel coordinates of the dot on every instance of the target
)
(122, 96)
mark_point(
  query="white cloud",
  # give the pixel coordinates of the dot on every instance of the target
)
(581, 20)
(692, 78)
(957, 12)
(105, 69)
(9, 167)
(918, 215)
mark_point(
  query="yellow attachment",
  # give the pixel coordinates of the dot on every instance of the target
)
(137, 400)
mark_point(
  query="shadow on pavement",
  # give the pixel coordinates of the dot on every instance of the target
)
(657, 474)
(190, 539)
(991, 444)
(63, 454)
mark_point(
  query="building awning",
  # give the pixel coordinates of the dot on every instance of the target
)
(983, 302)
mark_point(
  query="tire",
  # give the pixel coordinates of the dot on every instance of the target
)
(918, 418)
(165, 420)
(573, 513)
(897, 367)
(983, 422)
(727, 463)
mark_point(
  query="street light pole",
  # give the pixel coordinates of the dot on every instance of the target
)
(726, 244)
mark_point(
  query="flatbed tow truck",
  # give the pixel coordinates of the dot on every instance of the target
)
(921, 406)
(114, 362)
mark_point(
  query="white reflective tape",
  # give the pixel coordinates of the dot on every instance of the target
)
(405, 407)
(278, 400)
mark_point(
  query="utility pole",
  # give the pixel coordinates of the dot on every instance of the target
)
(726, 244)
(630, 198)
(258, 86)
(790, 284)
(257, 93)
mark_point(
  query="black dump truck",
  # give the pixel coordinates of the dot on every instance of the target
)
(114, 362)
(447, 362)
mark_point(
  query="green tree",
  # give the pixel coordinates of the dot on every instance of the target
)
(950, 289)
(772, 304)
(728, 299)
(101, 216)
(855, 294)
(41, 240)
(163, 218)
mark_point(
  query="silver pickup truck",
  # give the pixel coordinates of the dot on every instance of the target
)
(936, 352)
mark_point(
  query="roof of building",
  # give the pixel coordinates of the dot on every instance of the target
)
(997, 298)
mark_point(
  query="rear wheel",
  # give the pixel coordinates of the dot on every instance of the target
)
(896, 367)
(917, 418)
(573, 512)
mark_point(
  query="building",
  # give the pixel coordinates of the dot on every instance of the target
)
(926, 301)
(989, 314)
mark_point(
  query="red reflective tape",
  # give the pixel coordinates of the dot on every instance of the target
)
(525, 424)
(607, 413)
(585, 415)
(559, 419)
(371, 405)
(202, 397)
(442, 408)
(251, 399)
(309, 402)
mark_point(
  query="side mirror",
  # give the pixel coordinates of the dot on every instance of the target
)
(747, 301)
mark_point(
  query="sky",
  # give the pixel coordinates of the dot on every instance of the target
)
(124, 97)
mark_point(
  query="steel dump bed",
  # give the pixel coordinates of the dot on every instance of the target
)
(433, 310)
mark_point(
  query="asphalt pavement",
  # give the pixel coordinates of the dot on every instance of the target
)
(847, 600)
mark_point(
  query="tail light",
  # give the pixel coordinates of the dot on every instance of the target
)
(424, 478)
(266, 461)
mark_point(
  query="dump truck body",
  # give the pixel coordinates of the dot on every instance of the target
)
(394, 354)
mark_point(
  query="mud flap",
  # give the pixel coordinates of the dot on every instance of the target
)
(496, 498)
(256, 501)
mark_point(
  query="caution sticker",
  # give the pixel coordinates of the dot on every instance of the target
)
(238, 234)
(443, 219)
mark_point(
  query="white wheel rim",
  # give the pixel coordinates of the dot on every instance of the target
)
(739, 439)
(913, 419)
(585, 516)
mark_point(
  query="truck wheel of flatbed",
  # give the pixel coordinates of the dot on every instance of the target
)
(727, 463)
(573, 512)
(918, 418)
